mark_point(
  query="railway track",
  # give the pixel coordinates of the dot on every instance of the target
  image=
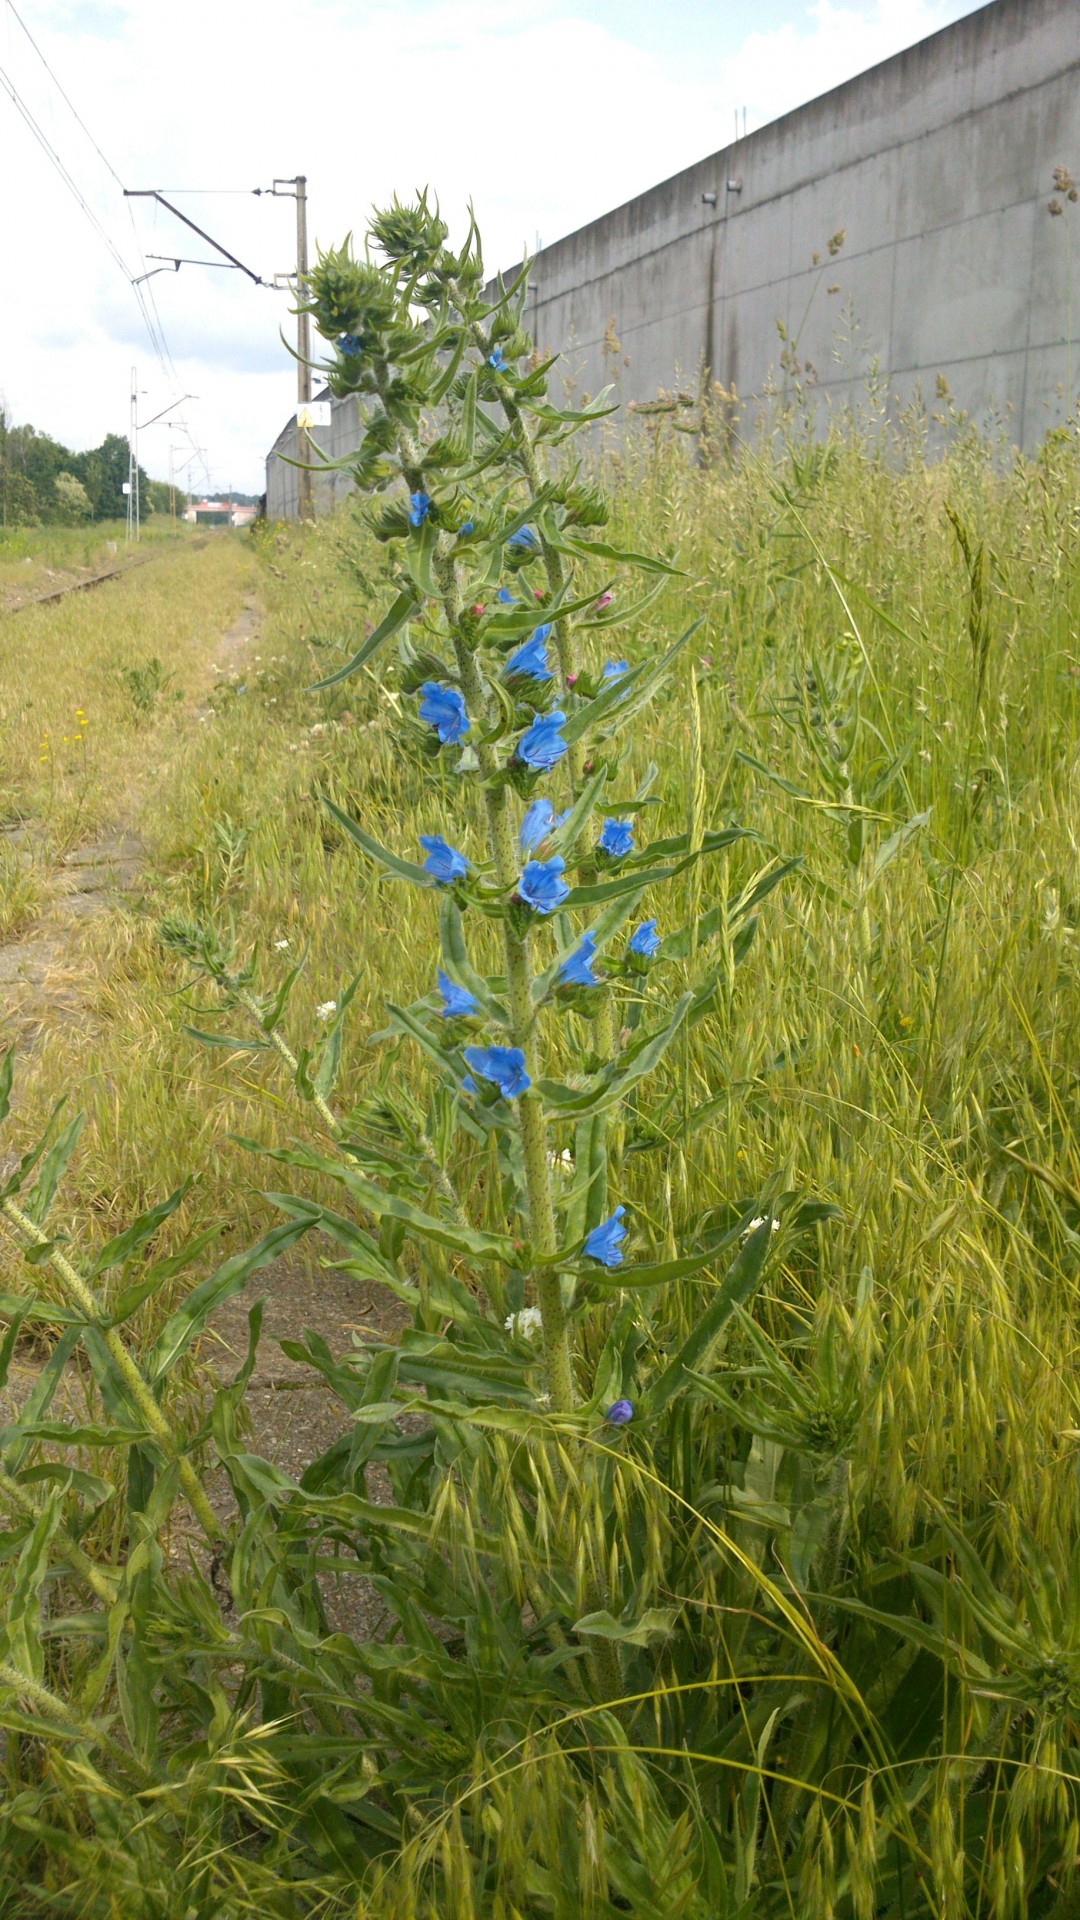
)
(93, 580)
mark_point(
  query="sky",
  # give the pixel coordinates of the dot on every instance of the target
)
(544, 114)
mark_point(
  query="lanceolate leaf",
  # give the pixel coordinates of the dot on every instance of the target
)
(393, 863)
(563, 1102)
(743, 1279)
(405, 606)
(189, 1319)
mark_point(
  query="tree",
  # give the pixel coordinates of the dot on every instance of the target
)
(72, 499)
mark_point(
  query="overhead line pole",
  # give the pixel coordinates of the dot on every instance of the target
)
(305, 489)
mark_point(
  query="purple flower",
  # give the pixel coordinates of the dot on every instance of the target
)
(577, 971)
(524, 537)
(542, 744)
(504, 594)
(645, 940)
(604, 1242)
(504, 1065)
(456, 1000)
(614, 669)
(444, 709)
(620, 1414)
(541, 885)
(419, 508)
(531, 659)
(349, 344)
(540, 820)
(616, 838)
(444, 863)
(496, 360)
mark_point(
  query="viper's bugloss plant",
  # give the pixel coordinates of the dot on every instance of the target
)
(624, 1645)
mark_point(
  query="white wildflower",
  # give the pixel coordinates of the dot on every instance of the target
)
(525, 1324)
(281, 946)
(561, 1162)
(326, 1010)
(759, 1221)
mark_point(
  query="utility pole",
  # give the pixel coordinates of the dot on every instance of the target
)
(133, 464)
(298, 186)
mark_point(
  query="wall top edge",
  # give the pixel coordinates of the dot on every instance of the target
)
(952, 50)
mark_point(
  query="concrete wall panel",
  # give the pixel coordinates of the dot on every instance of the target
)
(937, 164)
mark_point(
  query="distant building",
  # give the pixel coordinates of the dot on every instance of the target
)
(218, 513)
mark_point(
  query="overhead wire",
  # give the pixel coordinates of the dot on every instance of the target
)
(144, 293)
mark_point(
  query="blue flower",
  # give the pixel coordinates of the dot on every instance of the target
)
(465, 527)
(349, 344)
(496, 360)
(531, 659)
(537, 824)
(645, 940)
(419, 508)
(444, 863)
(456, 1000)
(620, 1414)
(468, 1085)
(604, 1242)
(542, 744)
(504, 594)
(444, 709)
(524, 537)
(541, 885)
(614, 669)
(577, 971)
(617, 838)
(504, 1065)
(540, 820)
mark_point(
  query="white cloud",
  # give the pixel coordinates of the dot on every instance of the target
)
(544, 117)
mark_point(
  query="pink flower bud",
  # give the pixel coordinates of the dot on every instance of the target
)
(537, 595)
(477, 610)
(571, 679)
(605, 600)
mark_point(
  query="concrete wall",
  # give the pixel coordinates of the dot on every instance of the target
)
(937, 165)
(283, 480)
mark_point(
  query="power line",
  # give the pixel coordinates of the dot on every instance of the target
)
(67, 101)
(144, 295)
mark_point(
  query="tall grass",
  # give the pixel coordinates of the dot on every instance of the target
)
(868, 1535)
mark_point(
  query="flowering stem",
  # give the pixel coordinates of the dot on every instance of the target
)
(83, 1297)
(553, 561)
(541, 1212)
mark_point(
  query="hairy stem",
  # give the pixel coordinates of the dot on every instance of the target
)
(83, 1297)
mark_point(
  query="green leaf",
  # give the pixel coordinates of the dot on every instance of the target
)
(562, 1102)
(656, 1623)
(10, 1340)
(39, 1399)
(647, 562)
(123, 1245)
(228, 1041)
(895, 843)
(659, 1273)
(404, 607)
(7, 1071)
(37, 1204)
(446, 1233)
(189, 1319)
(744, 1277)
(21, 1631)
(456, 962)
(393, 863)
